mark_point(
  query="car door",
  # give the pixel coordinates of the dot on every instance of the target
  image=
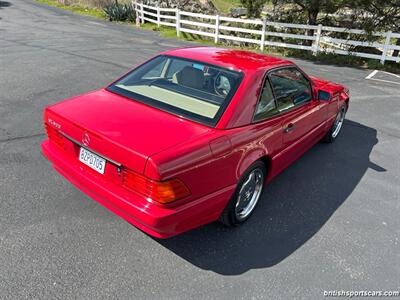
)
(299, 111)
(268, 123)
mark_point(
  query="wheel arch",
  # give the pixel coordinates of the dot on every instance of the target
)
(267, 161)
(251, 158)
(347, 101)
(226, 216)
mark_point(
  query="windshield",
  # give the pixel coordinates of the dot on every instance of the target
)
(187, 88)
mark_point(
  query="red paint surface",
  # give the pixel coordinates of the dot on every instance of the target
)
(162, 146)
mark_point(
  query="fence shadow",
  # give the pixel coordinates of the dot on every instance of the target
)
(294, 207)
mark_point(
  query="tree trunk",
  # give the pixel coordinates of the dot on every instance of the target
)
(312, 20)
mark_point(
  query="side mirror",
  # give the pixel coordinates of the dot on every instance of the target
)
(323, 95)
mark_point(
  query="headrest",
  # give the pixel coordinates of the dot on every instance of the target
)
(190, 77)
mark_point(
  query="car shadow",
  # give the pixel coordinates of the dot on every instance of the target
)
(294, 207)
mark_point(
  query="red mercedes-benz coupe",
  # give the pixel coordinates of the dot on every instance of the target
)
(191, 136)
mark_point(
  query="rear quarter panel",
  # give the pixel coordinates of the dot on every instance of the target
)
(218, 159)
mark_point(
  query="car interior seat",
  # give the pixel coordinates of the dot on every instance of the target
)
(189, 77)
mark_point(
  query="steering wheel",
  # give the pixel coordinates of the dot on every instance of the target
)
(222, 85)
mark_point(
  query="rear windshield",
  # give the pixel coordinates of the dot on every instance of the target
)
(187, 88)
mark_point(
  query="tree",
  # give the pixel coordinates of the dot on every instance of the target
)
(254, 7)
(378, 15)
(310, 9)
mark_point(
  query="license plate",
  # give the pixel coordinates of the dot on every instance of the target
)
(92, 160)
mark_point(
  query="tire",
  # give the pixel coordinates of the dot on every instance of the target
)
(334, 131)
(242, 204)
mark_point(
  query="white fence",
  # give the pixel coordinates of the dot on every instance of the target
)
(264, 33)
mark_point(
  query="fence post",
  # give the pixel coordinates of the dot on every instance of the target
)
(137, 21)
(317, 39)
(216, 38)
(142, 12)
(178, 22)
(158, 16)
(264, 28)
(386, 47)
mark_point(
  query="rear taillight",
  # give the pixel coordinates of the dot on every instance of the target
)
(160, 191)
(54, 135)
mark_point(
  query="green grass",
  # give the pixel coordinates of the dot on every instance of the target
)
(328, 58)
(225, 5)
(93, 12)
(169, 32)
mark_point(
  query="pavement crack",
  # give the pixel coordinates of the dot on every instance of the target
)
(67, 53)
(17, 138)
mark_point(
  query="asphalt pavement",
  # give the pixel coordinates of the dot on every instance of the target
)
(329, 222)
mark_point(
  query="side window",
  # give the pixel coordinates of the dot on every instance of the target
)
(291, 88)
(266, 106)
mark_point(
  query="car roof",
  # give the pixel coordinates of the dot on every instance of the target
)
(239, 60)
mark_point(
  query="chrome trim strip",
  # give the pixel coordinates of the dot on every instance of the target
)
(90, 150)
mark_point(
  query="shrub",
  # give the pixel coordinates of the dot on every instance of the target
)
(120, 12)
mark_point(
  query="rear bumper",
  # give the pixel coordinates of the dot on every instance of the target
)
(156, 221)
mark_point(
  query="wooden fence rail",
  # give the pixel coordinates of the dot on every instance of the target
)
(265, 33)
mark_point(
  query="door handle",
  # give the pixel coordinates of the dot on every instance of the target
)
(289, 128)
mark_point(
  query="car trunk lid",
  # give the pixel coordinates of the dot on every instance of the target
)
(122, 130)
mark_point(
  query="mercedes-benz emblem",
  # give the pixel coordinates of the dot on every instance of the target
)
(86, 139)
